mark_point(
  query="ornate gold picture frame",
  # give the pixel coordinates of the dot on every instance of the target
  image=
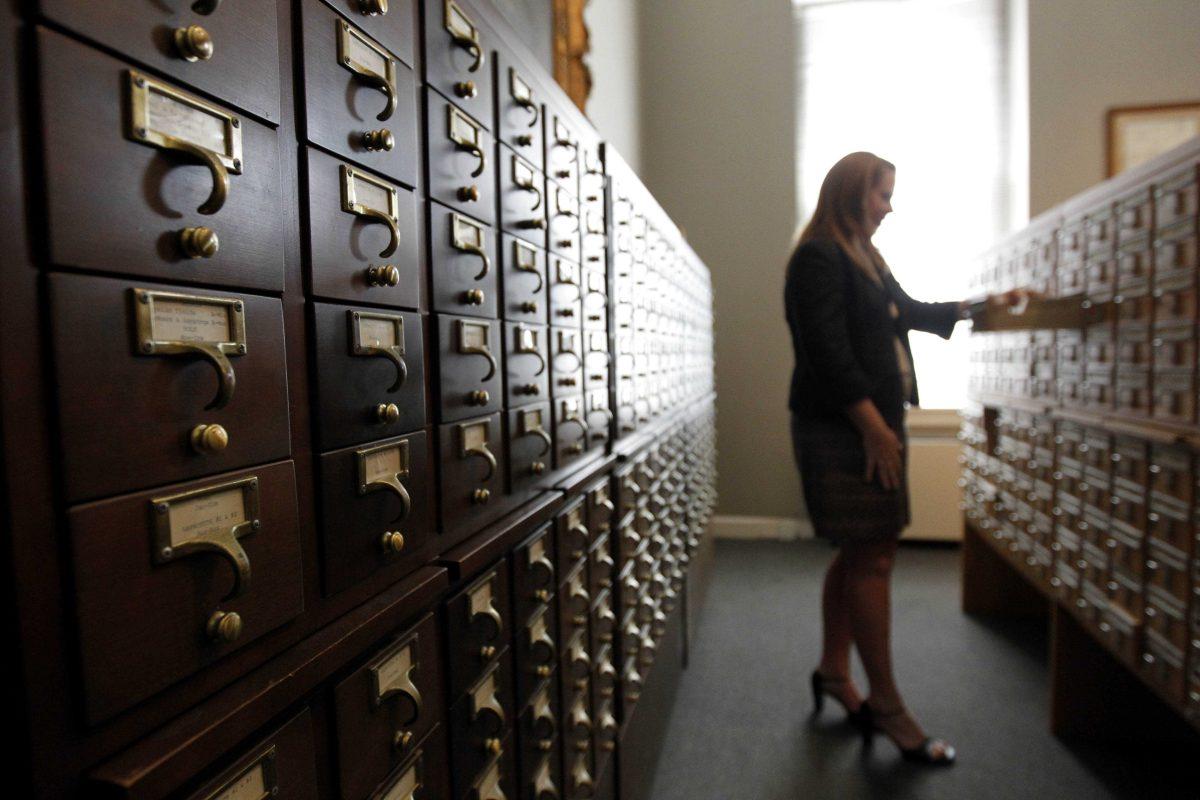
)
(571, 45)
(1139, 133)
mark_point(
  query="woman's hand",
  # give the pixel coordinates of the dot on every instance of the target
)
(884, 456)
(883, 447)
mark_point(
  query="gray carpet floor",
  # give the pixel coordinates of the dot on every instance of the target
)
(741, 727)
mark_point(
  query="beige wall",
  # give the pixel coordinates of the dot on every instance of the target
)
(1088, 55)
(718, 151)
(615, 63)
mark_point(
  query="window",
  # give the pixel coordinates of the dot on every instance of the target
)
(924, 84)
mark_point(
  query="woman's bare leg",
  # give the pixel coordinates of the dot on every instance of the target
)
(837, 635)
(868, 591)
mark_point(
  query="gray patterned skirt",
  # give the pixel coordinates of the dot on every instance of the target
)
(842, 506)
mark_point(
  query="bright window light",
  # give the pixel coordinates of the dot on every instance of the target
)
(921, 83)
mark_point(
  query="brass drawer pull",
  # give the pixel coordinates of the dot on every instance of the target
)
(198, 242)
(381, 335)
(531, 425)
(473, 340)
(543, 782)
(370, 8)
(466, 136)
(468, 237)
(524, 178)
(193, 43)
(381, 468)
(369, 63)
(527, 344)
(381, 139)
(522, 95)
(354, 184)
(392, 677)
(525, 260)
(474, 444)
(151, 123)
(463, 32)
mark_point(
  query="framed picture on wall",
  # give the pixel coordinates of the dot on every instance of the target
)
(1139, 133)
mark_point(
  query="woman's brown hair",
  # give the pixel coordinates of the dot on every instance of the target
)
(840, 211)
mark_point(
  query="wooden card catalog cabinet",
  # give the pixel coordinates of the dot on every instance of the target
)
(387, 708)
(463, 263)
(471, 380)
(191, 188)
(170, 580)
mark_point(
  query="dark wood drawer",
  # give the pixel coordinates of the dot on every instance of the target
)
(461, 156)
(534, 574)
(364, 245)
(576, 669)
(529, 446)
(570, 430)
(527, 363)
(520, 111)
(377, 509)
(387, 706)
(462, 256)
(231, 53)
(565, 230)
(573, 538)
(425, 776)
(599, 418)
(596, 359)
(566, 292)
(281, 764)
(497, 779)
(562, 151)
(591, 176)
(600, 504)
(370, 373)
(478, 628)
(470, 374)
(479, 722)
(536, 651)
(360, 99)
(178, 414)
(524, 280)
(539, 748)
(595, 300)
(574, 604)
(170, 580)
(471, 453)
(117, 202)
(522, 197)
(392, 23)
(457, 49)
(566, 360)
(601, 569)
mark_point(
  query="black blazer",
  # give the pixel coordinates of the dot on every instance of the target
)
(842, 333)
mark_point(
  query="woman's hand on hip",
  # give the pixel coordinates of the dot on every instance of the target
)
(884, 456)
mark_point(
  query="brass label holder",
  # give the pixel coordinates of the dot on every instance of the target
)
(474, 339)
(463, 31)
(168, 118)
(525, 260)
(409, 782)
(466, 135)
(354, 52)
(381, 468)
(258, 781)
(522, 95)
(380, 335)
(392, 677)
(525, 177)
(467, 236)
(531, 425)
(212, 328)
(527, 343)
(473, 437)
(352, 204)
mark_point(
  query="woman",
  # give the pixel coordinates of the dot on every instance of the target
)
(849, 321)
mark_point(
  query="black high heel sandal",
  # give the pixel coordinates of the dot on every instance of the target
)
(933, 752)
(819, 683)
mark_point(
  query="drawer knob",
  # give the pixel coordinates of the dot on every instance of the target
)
(385, 275)
(193, 43)
(208, 439)
(575, 449)
(481, 496)
(402, 740)
(525, 140)
(565, 243)
(372, 7)
(563, 173)
(529, 307)
(381, 139)
(224, 627)
(466, 89)
(199, 242)
(468, 194)
(537, 467)
(493, 746)
(387, 413)
(544, 671)
(479, 397)
(473, 297)
(538, 223)
(529, 388)
(393, 542)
